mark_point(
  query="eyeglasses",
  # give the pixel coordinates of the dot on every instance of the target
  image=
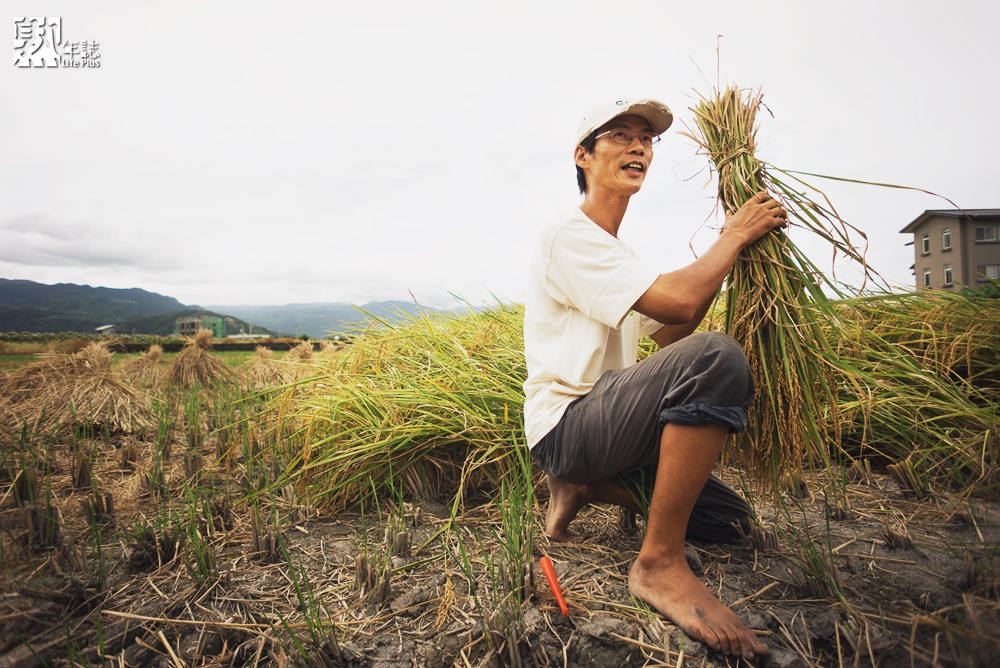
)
(625, 137)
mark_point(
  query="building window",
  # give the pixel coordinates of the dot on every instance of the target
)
(925, 244)
(927, 278)
(947, 275)
(986, 233)
(946, 239)
(987, 272)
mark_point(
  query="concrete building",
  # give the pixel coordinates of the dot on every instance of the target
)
(955, 248)
(190, 326)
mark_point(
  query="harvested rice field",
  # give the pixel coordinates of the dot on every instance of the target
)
(372, 506)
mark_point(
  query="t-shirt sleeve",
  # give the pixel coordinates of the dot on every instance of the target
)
(648, 326)
(593, 272)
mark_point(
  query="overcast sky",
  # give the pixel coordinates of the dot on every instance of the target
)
(237, 152)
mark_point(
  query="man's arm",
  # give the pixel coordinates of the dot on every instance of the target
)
(680, 299)
(668, 334)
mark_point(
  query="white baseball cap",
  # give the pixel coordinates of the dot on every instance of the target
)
(656, 113)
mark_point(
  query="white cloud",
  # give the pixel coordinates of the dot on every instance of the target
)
(249, 153)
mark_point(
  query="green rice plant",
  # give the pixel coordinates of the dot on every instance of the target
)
(163, 412)
(97, 546)
(155, 542)
(508, 568)
(192, 418)
(23, 464)
(199, 549)
(437, 395)
(323, 649)
(265, 537)
(776, 307)
(40, 518)
(812, 555)
(222, 418)
(374, 551)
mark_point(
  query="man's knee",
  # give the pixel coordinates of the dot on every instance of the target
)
(722, 367)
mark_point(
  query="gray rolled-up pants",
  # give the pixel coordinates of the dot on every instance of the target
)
(614, 430)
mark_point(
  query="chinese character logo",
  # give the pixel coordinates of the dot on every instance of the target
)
(38, 42)
(36, 39)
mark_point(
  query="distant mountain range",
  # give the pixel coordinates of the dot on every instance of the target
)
(26, 306)
(321, 319)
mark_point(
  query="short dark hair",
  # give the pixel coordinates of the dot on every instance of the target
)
(588, 144)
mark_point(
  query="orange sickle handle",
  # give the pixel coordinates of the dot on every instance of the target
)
(550, 577)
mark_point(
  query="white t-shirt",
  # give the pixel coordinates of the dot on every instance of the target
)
(578, 319)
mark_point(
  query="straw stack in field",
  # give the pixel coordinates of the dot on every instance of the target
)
(79, 391)
(195, 364)
(145, 370)
(303, 351)
(775, 305)
(262, 372)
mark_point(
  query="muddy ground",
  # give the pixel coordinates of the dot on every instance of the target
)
(911, 582)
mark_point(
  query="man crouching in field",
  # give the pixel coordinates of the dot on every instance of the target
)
(592, 415)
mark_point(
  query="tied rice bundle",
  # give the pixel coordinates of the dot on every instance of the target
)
(80, 391)
(303, 351)
(263, 372)
(194, 364)
(145, 370)
(774, 297)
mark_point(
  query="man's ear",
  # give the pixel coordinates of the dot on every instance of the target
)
(580, 156)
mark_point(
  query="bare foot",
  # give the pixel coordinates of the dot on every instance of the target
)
(673, 589)
(565, 501)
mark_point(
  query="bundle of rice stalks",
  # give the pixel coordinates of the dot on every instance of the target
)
(80, 391)
(775, 304)
(303, 351)
(430, 404)
(145, 370)
(194, 364)
(263, 372)
(905, 377)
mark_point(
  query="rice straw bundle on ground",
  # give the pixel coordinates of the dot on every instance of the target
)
(775, 305)
(955, 336)
(919, 380)
(145, 370)
(263, 372)
(78, 391)
(303, 351)
(433, 403)
(195, 364)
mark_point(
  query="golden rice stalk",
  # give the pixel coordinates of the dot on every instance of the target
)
(775, 305)
(195, 364)
(438, 394)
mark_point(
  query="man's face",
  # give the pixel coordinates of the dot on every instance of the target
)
(616, 167)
